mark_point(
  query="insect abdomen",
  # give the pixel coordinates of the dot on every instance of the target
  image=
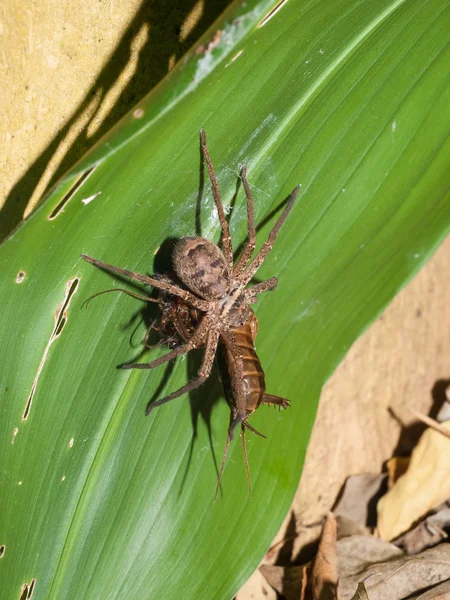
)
(253, 382)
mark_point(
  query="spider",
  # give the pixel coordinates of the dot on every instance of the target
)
(212, 308)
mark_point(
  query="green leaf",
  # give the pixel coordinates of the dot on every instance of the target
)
(352, 101)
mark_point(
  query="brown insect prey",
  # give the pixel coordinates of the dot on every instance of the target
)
(213, 311)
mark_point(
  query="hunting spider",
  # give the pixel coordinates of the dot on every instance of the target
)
(216, 289)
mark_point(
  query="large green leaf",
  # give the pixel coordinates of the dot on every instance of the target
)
(351, 100)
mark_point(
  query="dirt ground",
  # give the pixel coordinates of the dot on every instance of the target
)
(71, 70)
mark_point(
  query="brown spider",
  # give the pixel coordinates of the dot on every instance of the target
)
(214, 308)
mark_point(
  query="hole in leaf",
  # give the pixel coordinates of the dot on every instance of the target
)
(2, 550)
(70, 194)
(60, 326)
(26, 591)
(272, 13)
(60, 322)
(237, 55)
(20, 276)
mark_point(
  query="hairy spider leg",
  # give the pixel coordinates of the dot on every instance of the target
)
(260, 257)
(161, 285)
(251, 294)
(203, 374)
(225, 238)
(196, 341)
(251, 238)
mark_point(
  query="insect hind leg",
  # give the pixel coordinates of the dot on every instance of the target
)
(275, 401)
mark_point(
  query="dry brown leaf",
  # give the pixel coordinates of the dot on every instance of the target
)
(439, 592)
(397, 579)
(356, 501)
(425, 485)
(444, 411)
(396, 467)
(427, 533)
(255, 588)
(347, 528)
(324, 574)
(357, 553)
(290, 582)
(441, 427)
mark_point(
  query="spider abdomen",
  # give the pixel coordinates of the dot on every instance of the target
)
(201, 266)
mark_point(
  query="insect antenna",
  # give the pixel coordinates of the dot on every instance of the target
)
(247, 468)
(222, 466)
(145, 298)
(230, 434)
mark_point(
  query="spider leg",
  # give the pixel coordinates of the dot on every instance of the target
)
(251, 294)
(251, 269)
(203, 374)
(251, 240)
(226, 238)
(161, 285)
(196, 341)
(145, 298)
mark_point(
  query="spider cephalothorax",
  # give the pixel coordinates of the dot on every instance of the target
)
(211, 309)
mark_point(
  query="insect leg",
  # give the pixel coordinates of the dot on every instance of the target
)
(252, 429)
(251, 269)
(251, 294)
(226, 238)
(203, 374)
(147, 335)
(160, 285)
(251, 240)
(195, 342)
(275, 400)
